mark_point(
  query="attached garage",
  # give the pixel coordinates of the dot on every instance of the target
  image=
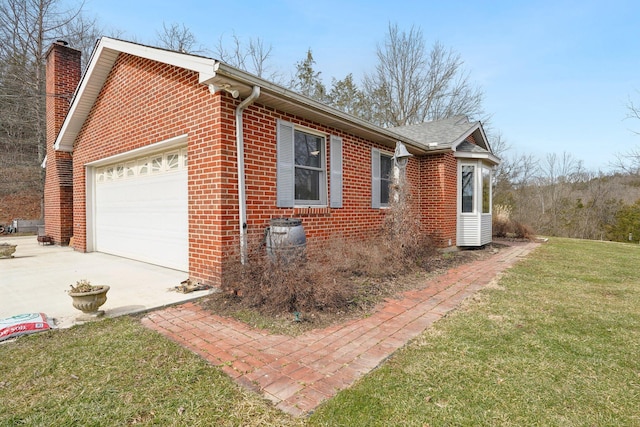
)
(140, 208)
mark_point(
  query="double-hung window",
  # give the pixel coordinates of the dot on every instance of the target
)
(302, 167)
(381, 177)
(309, 168)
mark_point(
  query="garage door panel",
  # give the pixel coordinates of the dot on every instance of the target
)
(144, 218)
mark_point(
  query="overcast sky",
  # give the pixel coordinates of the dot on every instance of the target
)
(557, 75)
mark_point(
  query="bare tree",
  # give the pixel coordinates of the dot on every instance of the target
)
(176, 37)
(411, 85)
(82, 33)
(595, 208)
(252, 57)
(27, 28)
(516, 186)
(258, 56)
(633, 111)
(557, 174)
(629, 161)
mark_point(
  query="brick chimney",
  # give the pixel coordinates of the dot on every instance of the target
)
(62, 77)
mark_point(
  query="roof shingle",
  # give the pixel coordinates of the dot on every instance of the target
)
(445, 133)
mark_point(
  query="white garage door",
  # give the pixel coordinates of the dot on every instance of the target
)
(141, 209)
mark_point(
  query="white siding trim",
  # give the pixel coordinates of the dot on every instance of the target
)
(486, 230)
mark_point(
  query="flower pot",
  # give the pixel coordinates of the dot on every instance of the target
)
(89, 302)
(7, 250)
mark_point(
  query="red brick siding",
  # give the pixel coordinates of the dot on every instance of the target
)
(355, 219)
(172, 103)
(145, 102)
(62, 77)
(439, 197)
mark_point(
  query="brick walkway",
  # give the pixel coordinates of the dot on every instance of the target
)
(298, 373)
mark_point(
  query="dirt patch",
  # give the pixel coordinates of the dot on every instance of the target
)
(371, 293)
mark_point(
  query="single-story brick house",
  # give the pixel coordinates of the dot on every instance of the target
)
(172, 159)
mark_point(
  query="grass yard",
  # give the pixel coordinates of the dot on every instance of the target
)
(118, 373)
(555, 342)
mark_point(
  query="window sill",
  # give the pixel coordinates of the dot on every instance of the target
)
(311, 211)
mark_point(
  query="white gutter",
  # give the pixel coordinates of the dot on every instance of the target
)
(242, 191)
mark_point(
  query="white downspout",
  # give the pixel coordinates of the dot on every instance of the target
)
(242, 191)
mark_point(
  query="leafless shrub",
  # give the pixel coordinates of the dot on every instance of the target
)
(285, 283)
(505, 227)
(523, 231)
(325, 276)
(401, 235)
(328, 276)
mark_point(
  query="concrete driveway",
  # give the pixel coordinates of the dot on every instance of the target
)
(37, 278)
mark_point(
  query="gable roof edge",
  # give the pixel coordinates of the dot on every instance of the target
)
(102, 60)
(470, 131)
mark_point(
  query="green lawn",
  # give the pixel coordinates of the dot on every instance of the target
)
(118, 373)
(555, 342)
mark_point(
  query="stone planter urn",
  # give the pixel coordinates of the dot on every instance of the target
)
(7, 250)
(88, 299)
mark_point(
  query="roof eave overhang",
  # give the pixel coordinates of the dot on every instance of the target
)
(486, 156)
(286, 100)
(211, 71)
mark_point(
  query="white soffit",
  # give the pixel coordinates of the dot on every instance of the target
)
(480, 156)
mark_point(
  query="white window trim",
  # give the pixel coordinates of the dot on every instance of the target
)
(120, 171)
(285, 182)
(484, 167)
(479, 167)
(322, 202)
(474, 203)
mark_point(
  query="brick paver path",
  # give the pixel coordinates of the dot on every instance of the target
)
(298, 373)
